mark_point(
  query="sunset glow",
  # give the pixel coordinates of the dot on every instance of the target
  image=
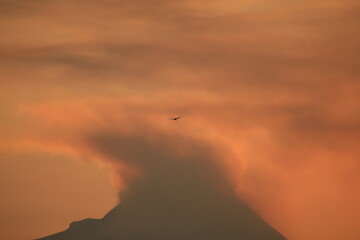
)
(268, 91)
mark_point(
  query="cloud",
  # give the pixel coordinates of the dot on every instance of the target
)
(268, 91)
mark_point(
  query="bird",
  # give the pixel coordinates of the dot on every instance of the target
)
(175, 118)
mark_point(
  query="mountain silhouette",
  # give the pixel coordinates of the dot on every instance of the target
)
(178, 198)
(175, 208)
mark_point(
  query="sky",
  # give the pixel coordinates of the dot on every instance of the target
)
(269, 88)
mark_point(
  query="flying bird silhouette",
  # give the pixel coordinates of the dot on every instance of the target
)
(175, 118)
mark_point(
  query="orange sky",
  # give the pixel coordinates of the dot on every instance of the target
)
(269, 87)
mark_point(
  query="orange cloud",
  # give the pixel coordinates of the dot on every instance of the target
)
(269, 93)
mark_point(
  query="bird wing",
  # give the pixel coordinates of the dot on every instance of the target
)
(175, 118)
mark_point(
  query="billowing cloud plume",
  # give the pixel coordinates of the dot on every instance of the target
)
(269, 92)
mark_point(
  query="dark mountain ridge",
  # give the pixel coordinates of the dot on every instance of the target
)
(174, 208)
